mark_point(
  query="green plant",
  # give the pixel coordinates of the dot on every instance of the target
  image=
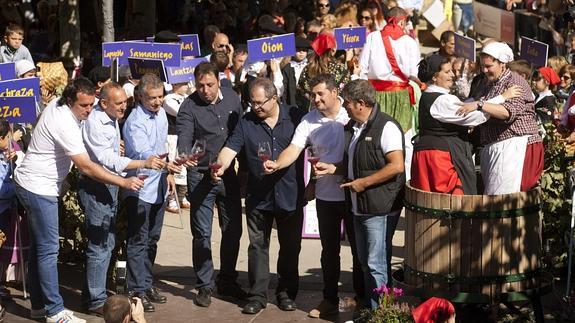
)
(389, 310)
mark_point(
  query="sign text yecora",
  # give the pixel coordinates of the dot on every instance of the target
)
(18, 109)
(351, 37)
(494, 22)
(190, 45)
(266, 48)
(139, 67)
(170, 54)
(534, 51)
(464, 47)
(185, 72)
(21, 87)
(7, 71)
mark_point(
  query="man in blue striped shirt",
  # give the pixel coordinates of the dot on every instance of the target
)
(101, 135)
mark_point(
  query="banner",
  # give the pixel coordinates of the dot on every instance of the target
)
(465, 47)
(266, 48)
(190, 45)
(185, 72)
(351, 37)
(7, 71)
(18, 109)
(170, 54)
(494, 22)
(139, 67)
(534, 51)
(21, 87)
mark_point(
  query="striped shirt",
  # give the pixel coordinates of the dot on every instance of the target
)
(522, 119)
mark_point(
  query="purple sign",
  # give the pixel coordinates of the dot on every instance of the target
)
(185, 72)
(7, 71)
(190, 45)
(21, 87)
(534, 51)
(139, 67)
(266, 48)
(170, 54)
(150, 39)
(18, 109)
(465, 47)
(350, 37)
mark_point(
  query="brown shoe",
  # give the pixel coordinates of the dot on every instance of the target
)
(324, 309)
(98, 311)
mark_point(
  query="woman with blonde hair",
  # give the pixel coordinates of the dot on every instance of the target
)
(328, 23)
(346, 14)
(557, 63)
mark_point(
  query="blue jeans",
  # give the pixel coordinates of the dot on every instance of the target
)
(100, 204)
(203, 194)
(44, 245)
(371, 236)
(145, 222)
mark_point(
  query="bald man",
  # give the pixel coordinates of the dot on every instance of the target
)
(221, 43)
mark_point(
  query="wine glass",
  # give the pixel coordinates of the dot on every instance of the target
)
(214, 164)
(264, 151)
(162, 151)
(198, 150)
(314, 154)
(142, 173)
(181, 157)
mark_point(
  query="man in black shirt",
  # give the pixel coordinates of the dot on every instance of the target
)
(211, 114)
(263, 134)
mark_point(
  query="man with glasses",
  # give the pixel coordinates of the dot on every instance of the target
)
(262, 134)
(210, 114)
(221, 43)
(322, 9)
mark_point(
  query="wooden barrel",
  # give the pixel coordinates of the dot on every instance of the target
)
(473, 244)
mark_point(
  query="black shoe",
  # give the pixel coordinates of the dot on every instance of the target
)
(286, 304)
(204, 297)
(155, 296)
(98, 311)
(146, 304)
(253, 307)
(232, 290)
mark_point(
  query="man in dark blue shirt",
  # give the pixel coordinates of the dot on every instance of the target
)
(263, 134)
(211, 114)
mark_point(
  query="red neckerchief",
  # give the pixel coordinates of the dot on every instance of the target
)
(392, 29)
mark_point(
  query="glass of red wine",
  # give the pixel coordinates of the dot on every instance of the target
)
(264, 152)
(142, 173)
(314, 154)
(198, 150)
(181, 157)
(162, 153)
(214, 164)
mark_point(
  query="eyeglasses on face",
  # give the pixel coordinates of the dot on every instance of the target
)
(259, 105)
(365, 18)
(323, 5)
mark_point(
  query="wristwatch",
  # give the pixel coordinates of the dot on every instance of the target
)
(480, 105)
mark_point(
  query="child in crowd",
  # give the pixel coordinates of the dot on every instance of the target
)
(12, 49)
(542, 80)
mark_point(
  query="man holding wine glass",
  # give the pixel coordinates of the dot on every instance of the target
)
(210, 114)
(262, 134)
(101, 135)
(323, 129)
(145, 134)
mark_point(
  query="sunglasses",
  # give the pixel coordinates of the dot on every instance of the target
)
(365, 18)
(566, 77)
(321, 5)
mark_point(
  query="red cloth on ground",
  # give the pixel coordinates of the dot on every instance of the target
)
(433, 171)
(532, 166)
(433, 310)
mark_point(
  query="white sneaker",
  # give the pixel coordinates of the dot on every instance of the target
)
(65, 316)
(172, 206)
(38, 314)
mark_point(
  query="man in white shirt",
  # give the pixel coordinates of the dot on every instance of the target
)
(55, 144)
(322, 128)
(374, 165)
(389, 61)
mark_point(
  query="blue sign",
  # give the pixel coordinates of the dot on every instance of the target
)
(170, 54)
(350, 37)
(185, 72)
(18, 109)
(465, 47)
(7, 71)
(266, 48)
(190, 45)
(534, 51)
(21, 87)
(139, 67)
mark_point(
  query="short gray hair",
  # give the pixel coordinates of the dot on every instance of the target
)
(359, 90)
(266, 84)
(149, 81)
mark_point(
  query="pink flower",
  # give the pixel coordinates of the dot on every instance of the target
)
(381, 290)
(397, 292)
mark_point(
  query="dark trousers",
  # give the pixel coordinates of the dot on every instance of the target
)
(225, 194)
(330, 216)
(144, 228)
(289, 226)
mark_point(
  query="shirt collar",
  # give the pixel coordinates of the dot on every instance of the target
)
(301, 64)
(102, 115)
(150, 114)
(219, 98)
(435, 88)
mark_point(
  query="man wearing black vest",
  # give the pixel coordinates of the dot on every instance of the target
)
(374, 166)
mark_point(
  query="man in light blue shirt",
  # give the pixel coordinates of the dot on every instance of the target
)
(101, 136)
(146, 134)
